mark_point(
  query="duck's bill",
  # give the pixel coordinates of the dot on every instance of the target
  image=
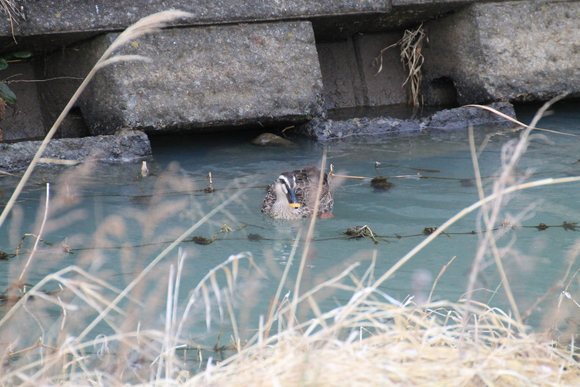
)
(292, 199)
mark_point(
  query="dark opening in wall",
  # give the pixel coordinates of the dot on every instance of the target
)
(442, 92)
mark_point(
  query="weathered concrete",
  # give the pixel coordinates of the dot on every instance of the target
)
(22, 119)
(350, 73)
(51, 24)
(127, 146)
(66, 16)
(386, 87)
(477, 51)
(461, 118)
(343, 86)
(517, 51)
(451, 119)
(200, 77)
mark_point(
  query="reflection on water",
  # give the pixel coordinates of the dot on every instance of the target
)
(111, 223)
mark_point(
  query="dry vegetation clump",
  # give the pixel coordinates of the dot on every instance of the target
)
(411, 45)
(378, 344)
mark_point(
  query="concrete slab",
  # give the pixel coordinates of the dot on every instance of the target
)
(386, 87)
(124, 147)
(49, 17)
(517, 51)
(350, 76)
(49, 24)
(202, 77)
(443, 121)
(23, 119)
(343, 86)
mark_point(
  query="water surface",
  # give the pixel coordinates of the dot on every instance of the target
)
(114, 224)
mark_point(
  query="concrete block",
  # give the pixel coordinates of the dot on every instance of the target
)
(203, 77)
(458, 119)
(46, 25)
(124, 147)
(350, 76)
(56, 89)
(23, 119)
(61, 18)
(517, 51)
(386, 87)
(343, 86)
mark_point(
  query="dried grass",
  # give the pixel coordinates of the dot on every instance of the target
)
(381, 344)
(411, 45)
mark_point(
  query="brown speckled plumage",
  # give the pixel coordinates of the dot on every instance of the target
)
(304, 182)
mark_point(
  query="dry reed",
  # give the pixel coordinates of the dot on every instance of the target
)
(411, 45)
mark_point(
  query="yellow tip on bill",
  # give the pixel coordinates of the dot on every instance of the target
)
(295, 205)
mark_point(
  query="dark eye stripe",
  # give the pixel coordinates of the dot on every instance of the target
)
(284, 180)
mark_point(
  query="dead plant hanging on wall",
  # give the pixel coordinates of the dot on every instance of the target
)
(411, 46)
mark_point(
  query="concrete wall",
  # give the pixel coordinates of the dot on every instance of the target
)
(210, 74)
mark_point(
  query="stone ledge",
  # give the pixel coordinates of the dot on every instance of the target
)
(128, 146)
(200, 77)
(51, 24)
(449, 119)
(69, 17)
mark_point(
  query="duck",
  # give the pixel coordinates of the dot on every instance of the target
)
(292, 196)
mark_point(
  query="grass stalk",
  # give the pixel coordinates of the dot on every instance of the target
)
(307, 243)
(489, 238)
(35, 248)
(149, 24)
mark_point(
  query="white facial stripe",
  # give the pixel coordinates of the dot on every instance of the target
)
(290, 184)
(285, 183)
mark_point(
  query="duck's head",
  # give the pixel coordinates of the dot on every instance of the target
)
(286, 188)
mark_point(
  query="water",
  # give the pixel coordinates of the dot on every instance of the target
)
(115, 227)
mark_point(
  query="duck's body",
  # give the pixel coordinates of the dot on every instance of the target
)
(293, 195)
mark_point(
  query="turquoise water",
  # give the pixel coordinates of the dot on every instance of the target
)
(115, 223)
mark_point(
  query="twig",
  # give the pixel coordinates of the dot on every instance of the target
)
(488, 239)
(39, 233)
(307, 244)
(443, 269)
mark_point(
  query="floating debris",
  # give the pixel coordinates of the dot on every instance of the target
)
(466, 182)
(30, 235)
(573, 226)
(429, 230)
(144, 169)
(270, 139)
(255, 237)
(201, 240)
(209, 188)
(506, 224)
(542, 227)
(381, 184)
(66, 248)
(361, 232)
(13, 293)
